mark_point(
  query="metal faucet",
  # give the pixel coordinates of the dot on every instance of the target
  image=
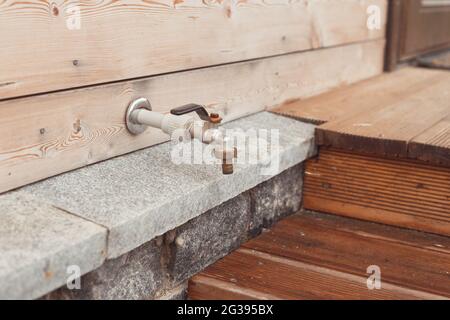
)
(140, 115)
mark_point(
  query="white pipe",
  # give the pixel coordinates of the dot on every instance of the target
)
(168, 123)
(149, 118)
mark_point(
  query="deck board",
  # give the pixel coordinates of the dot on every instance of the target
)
(356, 98)
(256, 275)
(405, 193)
(382, 116)
(433, 145)
(318, 256)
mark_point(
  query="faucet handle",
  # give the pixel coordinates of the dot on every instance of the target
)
(199, 109)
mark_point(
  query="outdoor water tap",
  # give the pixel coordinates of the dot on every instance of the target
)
(140, 116)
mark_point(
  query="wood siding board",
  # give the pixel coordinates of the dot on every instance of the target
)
(121, 40)
(66, 130)
(279, 278)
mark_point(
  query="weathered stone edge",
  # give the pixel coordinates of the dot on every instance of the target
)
(118, 243)
(290, 156)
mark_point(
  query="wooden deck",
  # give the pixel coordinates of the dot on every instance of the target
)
(319, 256)
(384, 150)
(405, 193)
(405, 114)
(384, 157)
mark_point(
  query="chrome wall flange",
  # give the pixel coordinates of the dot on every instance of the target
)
(140, 103)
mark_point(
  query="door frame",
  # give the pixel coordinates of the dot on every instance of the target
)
(398, 13)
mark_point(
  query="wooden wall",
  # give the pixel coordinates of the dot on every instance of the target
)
(63, 93)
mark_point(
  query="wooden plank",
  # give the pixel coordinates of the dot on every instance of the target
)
(398, 192)
(318, 256)
(203, 287)
(355, 99)
(253, 274)
(387, 128)
(66, 130)
(408, 259)
(384, 115)
(433, 145)
(119, 40)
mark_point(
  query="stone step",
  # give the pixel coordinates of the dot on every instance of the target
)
(109, 209)
(39, 243)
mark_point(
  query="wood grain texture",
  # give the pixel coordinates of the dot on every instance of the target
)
(406, 258)
(136, 38)
(318, 256)
(388, 128)
(383, 115)
(397, 192)
(249, 274)
(358, 98)
(44, 135)
(433, 145)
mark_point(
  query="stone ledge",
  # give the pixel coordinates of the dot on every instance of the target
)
(144, 194)
(158, 268)
(39, 242)
(130, 200)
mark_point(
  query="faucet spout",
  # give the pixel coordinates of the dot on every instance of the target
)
(226, 156)
(140, 116)
(223, 148)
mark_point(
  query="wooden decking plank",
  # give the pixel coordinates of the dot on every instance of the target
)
(347, 101)
(374, 213)
(318, 256)
(204, 287)
(401, 114)
(247, 274)
(388, 128)
(405, 193)
(433, 145)
(406, 258)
